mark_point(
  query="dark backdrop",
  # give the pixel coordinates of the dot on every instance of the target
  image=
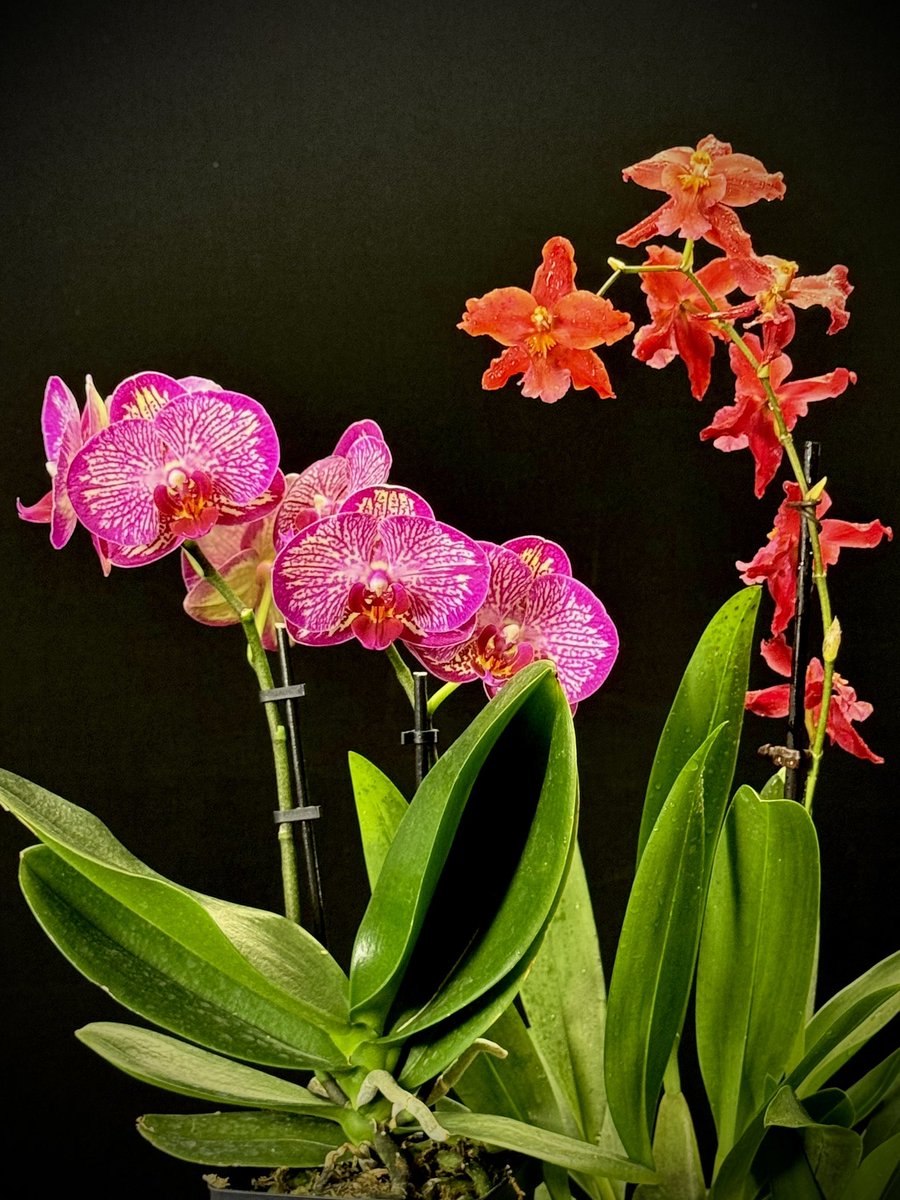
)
(296, 199)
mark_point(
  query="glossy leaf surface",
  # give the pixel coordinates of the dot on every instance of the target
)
(239, 1139)
(380, 807)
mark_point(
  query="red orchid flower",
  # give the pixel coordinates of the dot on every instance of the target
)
(775, 564)
(843, 710)
(777, 290)
(704, 185)
(749, 424)
(548, 331)
(674, 304)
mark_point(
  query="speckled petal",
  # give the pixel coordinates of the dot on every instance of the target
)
(555, 277)
(143, 395)
(352, 433)
(369, 462)
(315, 493)
(261, 506)
(228, 435)
(58, 412)
(312, 576)
(443, 570)
(568, 624)
(111, 482)
(63, 519)
(541, 556)
(387, 501)
(450, 663)
(139, 556)
(206, 605)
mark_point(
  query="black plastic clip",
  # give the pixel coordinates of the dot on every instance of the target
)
(291, 691)
(419, 737)
(307, 812)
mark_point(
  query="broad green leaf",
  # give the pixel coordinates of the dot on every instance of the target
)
(498, 810)
(379, 809)
(884, 1121)
(179, 1067)
(154, 975)
(773, 788)
(542, 1144)
(711, 693)
(878, 1171)
(564, 997)
(867, 1093)
(844, 1024)
(654, 964)
(443, 1043)
(757, 953)
(265, 952)
(243, 1139)
(675, 1153)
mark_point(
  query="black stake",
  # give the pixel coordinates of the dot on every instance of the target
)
(796, 734)
(312, 909)
(423, 736)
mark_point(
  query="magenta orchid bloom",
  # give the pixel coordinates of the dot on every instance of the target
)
(243, 555)
(204, 458)
(704, 185)
(379, 569)
(777, 290)
(749, 424)
(675, 305)
(65, 431)
(548, 331)
(775, 564)
(361, 459)
(844, 708)
(533, 610)
(144, 394)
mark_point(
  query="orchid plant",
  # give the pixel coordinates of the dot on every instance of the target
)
(471, 1024)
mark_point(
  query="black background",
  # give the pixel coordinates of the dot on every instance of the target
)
(296, 200)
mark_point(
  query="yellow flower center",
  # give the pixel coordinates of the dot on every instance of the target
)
(542, 339)
(769, 300)
(698, 177)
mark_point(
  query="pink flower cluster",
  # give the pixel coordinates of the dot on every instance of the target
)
(333, 553)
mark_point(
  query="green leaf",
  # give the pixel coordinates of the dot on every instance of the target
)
(654, 964)
(877, 1172)
(711, 693)
(867, 1093)
(831, 1151)
(884, 1121)
(425, 913)
(380, 807)
(675, 1153)
(564, 997)
(157, 977)
(844, 1024)
(243, 1139)
(265, 952)
(773, 788)
(757, 954)
(542, 1144)
(168, 1063)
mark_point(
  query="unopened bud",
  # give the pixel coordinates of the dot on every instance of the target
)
(815, 492)
(831, 643)
(616, 263)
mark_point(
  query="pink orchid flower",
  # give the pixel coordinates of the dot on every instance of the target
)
(777, 290)
(379, 569)
(749, 424)
(361, 459)
(775, 564)
(533, 610)
(243, 555)
(704, 185)
(843, 710)
(675, 304)
(548, 331)
(146, 485)
(65, 431)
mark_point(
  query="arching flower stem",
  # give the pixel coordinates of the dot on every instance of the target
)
(685, 267)
(259, 662)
